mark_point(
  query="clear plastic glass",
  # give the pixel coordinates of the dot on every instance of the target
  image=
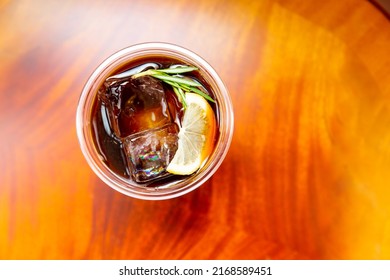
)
(164, 190)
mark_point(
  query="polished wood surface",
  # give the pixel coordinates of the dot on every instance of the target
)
(308, 172)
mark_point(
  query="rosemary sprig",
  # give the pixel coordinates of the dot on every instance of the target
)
(179, 84)
(176, 80)
(180, 94)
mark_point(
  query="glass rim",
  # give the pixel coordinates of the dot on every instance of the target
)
(88, 95)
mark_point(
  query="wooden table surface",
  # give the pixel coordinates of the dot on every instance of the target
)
(308, 172)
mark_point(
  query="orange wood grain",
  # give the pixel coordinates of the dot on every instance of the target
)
(307, 175)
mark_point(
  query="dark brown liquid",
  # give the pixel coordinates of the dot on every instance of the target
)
(109, 139)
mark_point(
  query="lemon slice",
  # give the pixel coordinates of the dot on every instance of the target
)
(196, 136)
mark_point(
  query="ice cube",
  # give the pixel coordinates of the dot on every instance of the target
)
(149, 153)
(135, 105)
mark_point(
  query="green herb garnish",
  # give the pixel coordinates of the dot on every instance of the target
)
(180, 84)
